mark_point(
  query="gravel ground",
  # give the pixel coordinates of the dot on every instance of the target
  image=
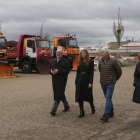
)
(26, 101)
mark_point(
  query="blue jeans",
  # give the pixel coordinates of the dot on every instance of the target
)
(108, 92)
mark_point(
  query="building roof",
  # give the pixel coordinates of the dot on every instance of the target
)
(117, 42)
(132, 45)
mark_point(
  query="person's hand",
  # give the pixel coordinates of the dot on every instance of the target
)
(90, 85)
(55, 71)
(52, 72)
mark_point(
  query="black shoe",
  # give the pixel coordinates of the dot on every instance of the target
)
(66, 109)
(82, 114)
(104, 118)
(93, 111)
(52, 113)
(111, 115)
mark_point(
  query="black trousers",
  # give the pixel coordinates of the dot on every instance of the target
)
(81, 102)
(56, 104)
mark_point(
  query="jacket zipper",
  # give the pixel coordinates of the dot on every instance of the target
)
(104, 71)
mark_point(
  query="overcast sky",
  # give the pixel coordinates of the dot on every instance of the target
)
(90, 20)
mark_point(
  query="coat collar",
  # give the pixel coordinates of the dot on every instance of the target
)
(106, 59)
(58, 61)
(82, 66)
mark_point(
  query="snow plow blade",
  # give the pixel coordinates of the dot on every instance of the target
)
(42, 64)
(6, 70)
(75, 62)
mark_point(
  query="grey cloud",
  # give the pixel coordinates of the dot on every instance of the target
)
(90, 20)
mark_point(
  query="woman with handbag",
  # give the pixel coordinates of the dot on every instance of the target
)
(83, 82)
(136, 84)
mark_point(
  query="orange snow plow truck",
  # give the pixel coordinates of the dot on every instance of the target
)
(6, 68)
(70, 48)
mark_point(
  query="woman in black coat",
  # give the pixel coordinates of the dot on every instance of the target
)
(136, 95)
(84, 80)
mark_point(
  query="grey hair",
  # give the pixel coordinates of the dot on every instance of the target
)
(59, 50)
(105, 49)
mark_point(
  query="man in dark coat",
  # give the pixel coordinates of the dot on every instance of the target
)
(59, 69)
(110, 72)
(136, 84)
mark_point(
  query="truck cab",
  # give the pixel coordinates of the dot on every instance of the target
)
(3, 47)
(68, 45)
(30, 49)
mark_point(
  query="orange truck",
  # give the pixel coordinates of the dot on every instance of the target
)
(3, 47)
(69, 46)
(6, 68)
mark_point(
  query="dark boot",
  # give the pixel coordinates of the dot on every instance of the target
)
(81, 109)
(54, 108)
(104, 118)
(66, 105)
(66, 108)
(53, 113)
(92, 108)
(81, 113)
(111, 115)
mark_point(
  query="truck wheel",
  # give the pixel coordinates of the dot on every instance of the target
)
(26, 67)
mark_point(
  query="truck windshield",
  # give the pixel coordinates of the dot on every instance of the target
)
(72, 43)
(41, 44)
(2, 43)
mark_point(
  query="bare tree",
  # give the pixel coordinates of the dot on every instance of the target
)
(118, 31)
(41, 32)
(47, 36)
(100, 45)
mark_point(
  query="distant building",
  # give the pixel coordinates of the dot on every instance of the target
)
(114, 45)
(126, 49)
(131, 46)
(131, 49)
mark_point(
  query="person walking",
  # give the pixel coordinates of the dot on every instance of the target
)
(136, 84)
(83, 81)
(59, 68)
(110, 71)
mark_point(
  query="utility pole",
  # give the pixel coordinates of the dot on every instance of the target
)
(0, 25)
(126, 46)
(134, 37)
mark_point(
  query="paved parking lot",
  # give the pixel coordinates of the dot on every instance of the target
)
(26, 101)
